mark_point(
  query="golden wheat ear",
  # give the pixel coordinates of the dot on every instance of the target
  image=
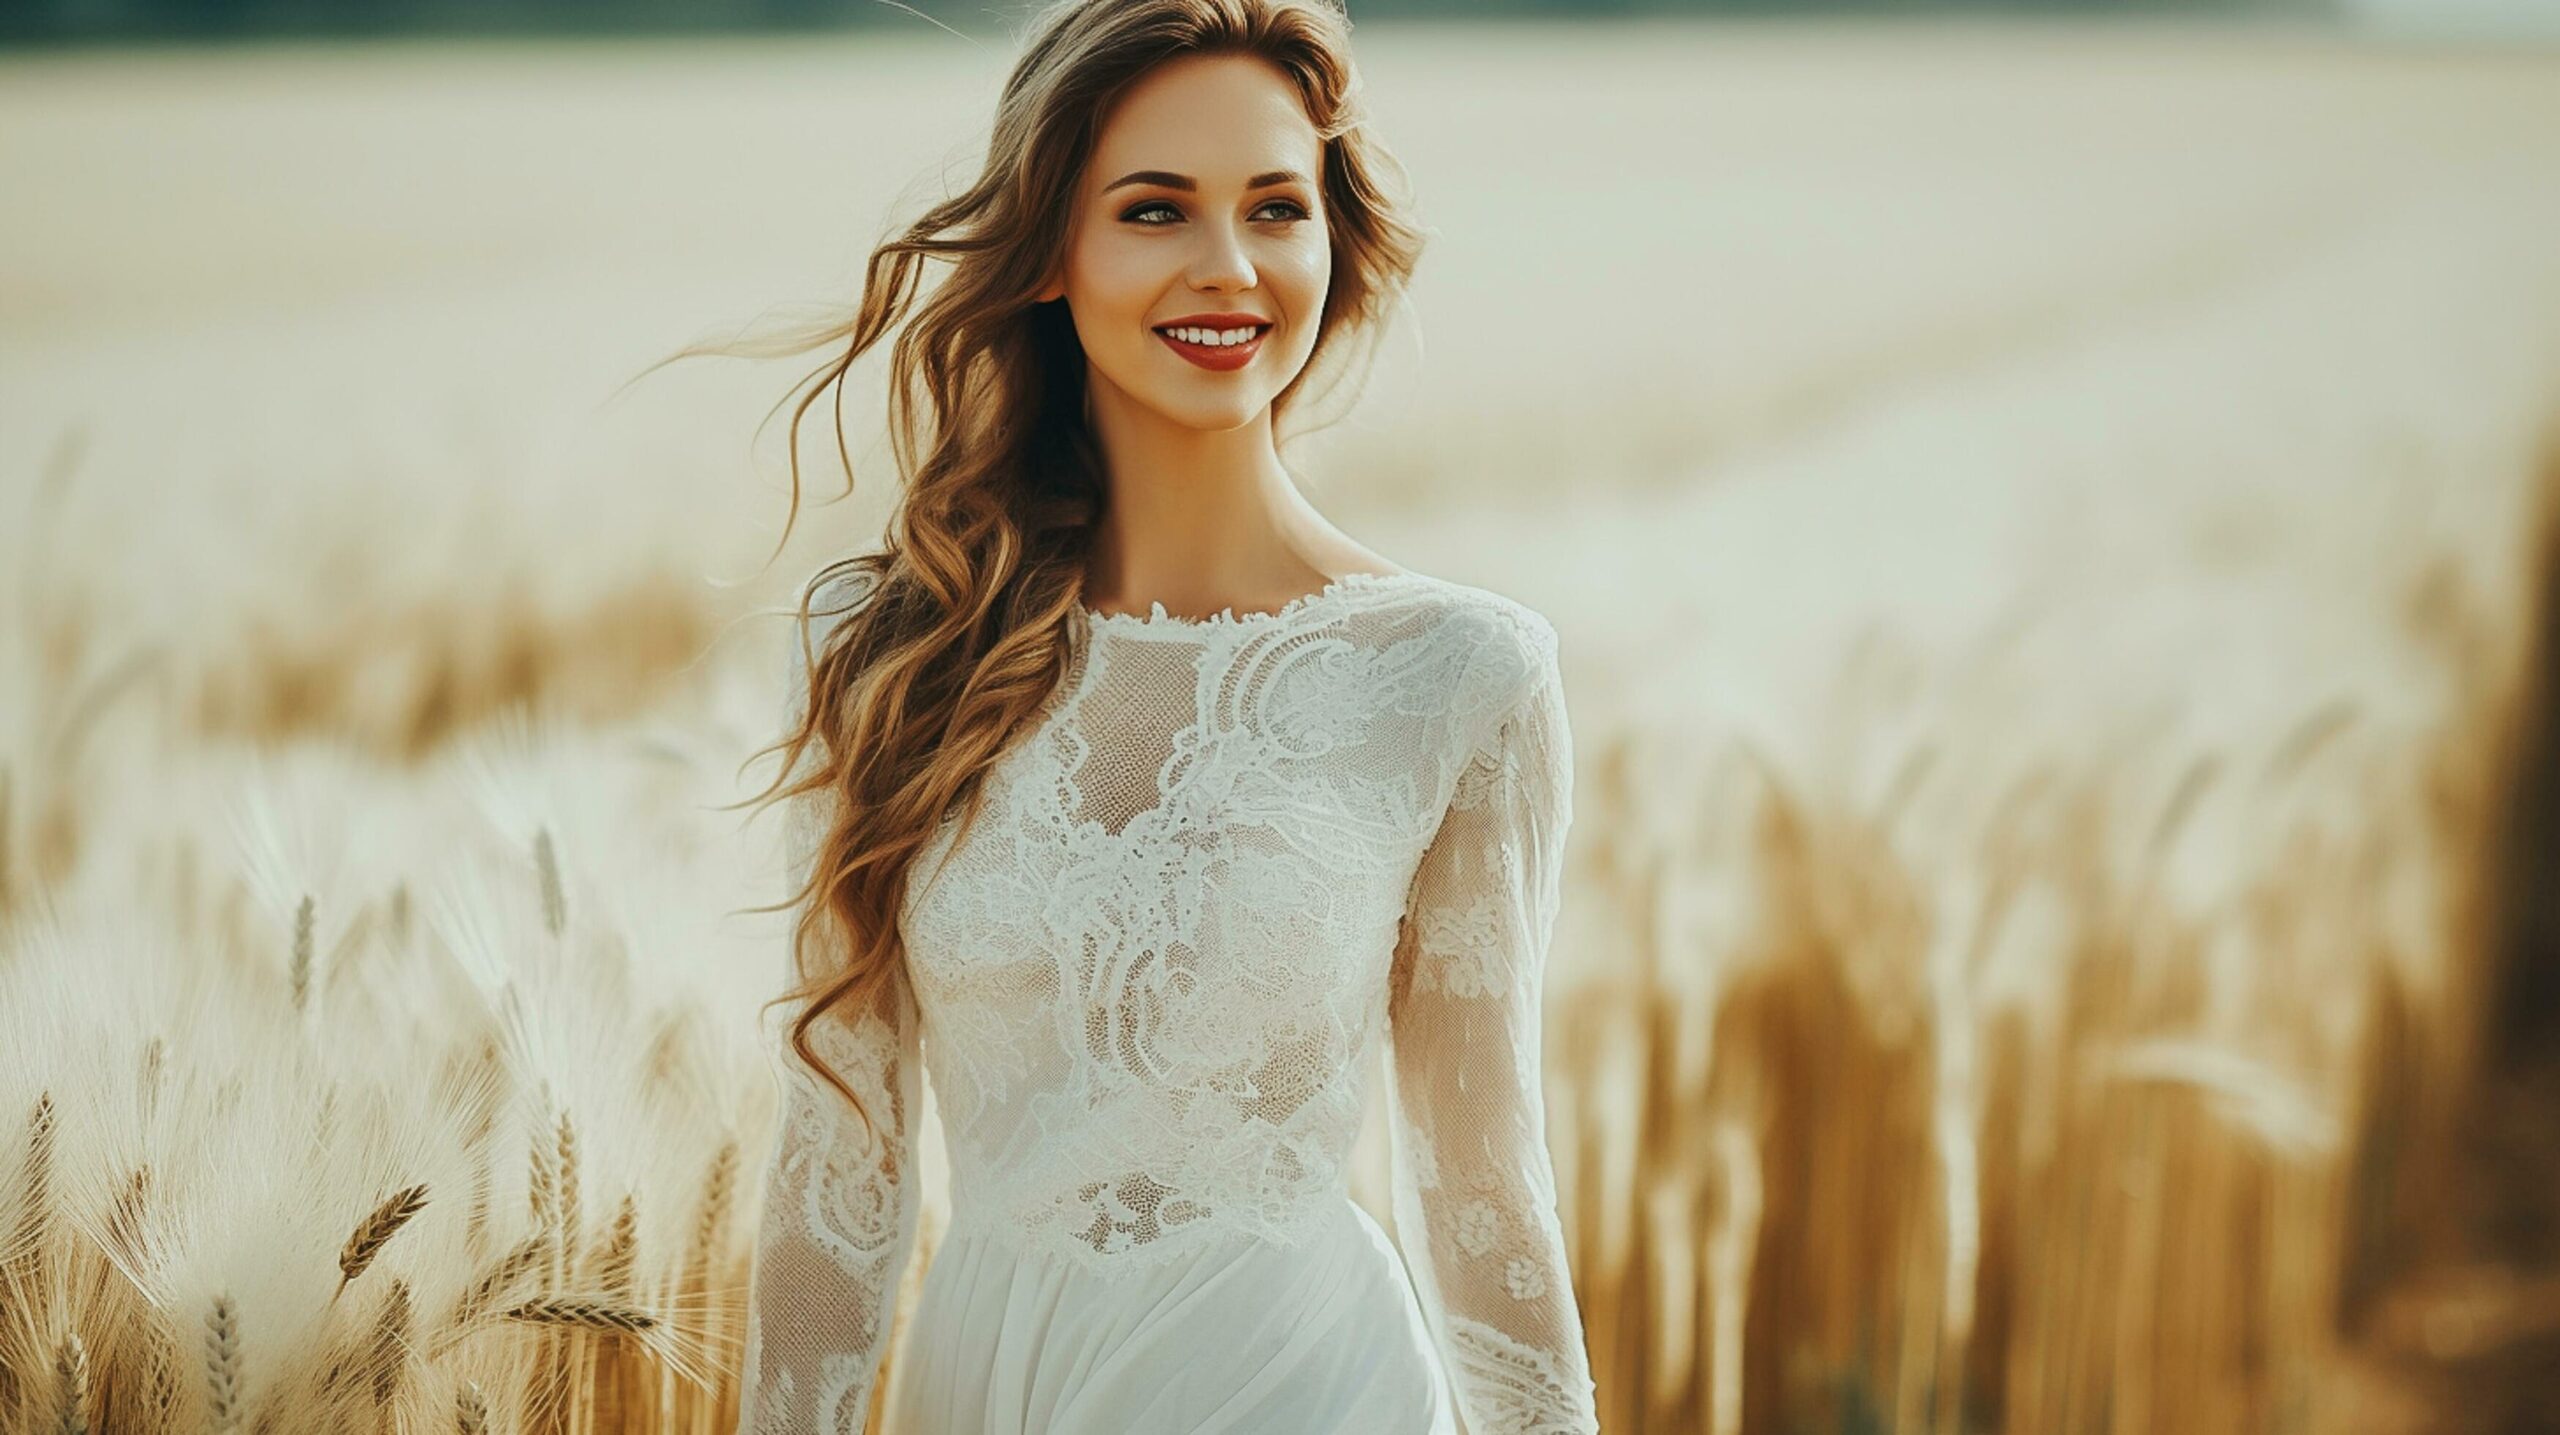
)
(222, 1366)
(71, 1386)
(375, 1231)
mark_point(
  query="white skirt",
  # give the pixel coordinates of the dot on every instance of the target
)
(1232, 1337)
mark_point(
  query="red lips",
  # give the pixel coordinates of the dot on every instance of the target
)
(1220, 358)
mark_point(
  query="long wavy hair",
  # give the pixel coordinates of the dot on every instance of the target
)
(969, 615)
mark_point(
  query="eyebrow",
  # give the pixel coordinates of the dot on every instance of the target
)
(1169, 180)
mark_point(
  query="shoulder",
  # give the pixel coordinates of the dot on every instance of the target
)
(1510, 647)
(1501, 652)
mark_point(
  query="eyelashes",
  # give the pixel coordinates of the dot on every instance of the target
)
(1297, 211)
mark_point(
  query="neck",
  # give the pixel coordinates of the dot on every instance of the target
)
(1197, 518)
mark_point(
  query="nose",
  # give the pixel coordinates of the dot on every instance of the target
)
(1221, 266)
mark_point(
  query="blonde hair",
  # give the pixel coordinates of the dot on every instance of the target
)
(967, 617)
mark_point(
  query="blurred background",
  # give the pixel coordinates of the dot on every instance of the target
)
(2050, 509)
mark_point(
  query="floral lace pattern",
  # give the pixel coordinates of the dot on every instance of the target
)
(1232, 859)
(840, 1206)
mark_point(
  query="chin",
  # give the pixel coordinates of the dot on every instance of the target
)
(1217, 418)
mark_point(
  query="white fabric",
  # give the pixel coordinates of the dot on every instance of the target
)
(1231, 856)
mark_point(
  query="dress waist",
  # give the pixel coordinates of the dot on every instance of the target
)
(1104, 1246)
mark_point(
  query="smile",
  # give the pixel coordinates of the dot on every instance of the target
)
(1215, 355)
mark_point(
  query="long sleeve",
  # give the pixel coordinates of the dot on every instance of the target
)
(1474, 1186)
(840, 1202)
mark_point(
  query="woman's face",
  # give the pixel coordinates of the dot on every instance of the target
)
(1201, 199)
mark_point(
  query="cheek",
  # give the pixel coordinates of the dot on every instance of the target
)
(1115, 279)
(1303, 275)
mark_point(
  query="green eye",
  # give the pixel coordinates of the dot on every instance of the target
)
(1134, 214)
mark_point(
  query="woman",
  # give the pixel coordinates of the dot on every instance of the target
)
(1145, 890)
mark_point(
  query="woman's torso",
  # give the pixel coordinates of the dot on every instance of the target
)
(1153, 972)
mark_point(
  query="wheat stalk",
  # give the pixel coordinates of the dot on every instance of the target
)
(391, 1331)
(562, 1378)
(612, 1264)
(718, 1189)
(301, 970)
(471, 1410)
(553, 1192)
(561, 1318)
(542, 1186)
(555, 898)
(155, 1073)
(222, 1366)
(619, 1253)
(581, 1313)
(71, 1386)
(375, 1231)
(475, 1223)
(709, 1223)
(568, 1211)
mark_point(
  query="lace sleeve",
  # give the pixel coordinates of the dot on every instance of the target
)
(839, 1203)
(1474, 1186)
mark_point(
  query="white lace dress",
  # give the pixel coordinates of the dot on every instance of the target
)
(1234, 855)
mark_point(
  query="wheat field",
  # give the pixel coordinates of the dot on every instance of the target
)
(2051, 531)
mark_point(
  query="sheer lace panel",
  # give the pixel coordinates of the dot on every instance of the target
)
(1155, 968)
(1474, 1187)
(839, 1200)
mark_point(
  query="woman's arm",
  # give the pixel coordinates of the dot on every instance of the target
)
(840, 1201)
(1475, 1196)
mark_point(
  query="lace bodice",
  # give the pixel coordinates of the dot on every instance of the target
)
(1231, 856)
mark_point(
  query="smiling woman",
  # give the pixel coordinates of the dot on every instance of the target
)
(1179, 880)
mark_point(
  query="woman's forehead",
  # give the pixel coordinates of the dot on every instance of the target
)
(1219, 120)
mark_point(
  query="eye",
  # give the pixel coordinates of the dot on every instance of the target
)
(1134, 214)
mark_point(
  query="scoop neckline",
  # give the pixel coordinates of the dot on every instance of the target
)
(1156, 619)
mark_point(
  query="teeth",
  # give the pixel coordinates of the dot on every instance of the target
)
(1214, 338)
